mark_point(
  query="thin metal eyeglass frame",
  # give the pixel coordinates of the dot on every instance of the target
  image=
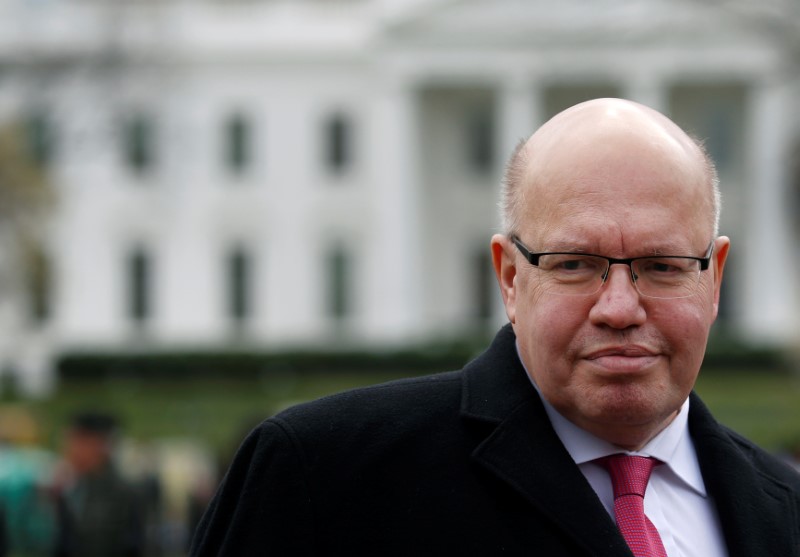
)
(533, 259)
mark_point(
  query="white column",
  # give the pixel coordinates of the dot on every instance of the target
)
(188, 277)
(187, 266)
(771, 304)
(292, 278)
(519, 113)
(395, 277)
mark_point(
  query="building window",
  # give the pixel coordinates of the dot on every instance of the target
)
(338, 296)
(139, 143)
(39, 285)
(479, 134)
(460, 143)
(39, 138)
(717, 114)
(338, 143)
(484, 285)
(239, 279)
(237, 144)
(139, 273)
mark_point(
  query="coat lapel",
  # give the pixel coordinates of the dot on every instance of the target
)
(752, 506)
(524, 451)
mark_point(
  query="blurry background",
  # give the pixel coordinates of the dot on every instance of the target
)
(212, 209)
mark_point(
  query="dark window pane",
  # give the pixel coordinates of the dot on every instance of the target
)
(239, 285)
(139, 285)
(40, 138)
(484, 285)
(338, 284)
(39, 285)
(238, 139)
(139, 136)
(338, 146)
(480, 137)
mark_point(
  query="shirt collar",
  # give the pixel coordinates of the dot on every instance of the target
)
(673, 446)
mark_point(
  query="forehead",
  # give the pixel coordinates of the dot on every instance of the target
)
(616, 181)
(617, 214)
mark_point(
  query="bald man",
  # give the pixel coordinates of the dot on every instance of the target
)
(610, 268)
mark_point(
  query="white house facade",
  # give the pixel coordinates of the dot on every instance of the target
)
(317, 173)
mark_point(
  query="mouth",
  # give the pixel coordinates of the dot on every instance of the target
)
(629, 359)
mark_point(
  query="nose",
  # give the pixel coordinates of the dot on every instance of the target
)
(619, 303)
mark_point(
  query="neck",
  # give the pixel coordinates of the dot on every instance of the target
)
(628, 437)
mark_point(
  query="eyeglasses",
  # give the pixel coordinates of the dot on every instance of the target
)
(583, 274)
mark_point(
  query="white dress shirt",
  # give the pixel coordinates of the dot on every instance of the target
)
(676, 501)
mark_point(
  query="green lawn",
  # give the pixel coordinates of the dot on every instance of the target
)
(764, 406)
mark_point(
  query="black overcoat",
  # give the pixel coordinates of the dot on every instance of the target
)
(461, 463)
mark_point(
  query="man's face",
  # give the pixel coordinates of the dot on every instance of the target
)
(86, 452)
(615, 363)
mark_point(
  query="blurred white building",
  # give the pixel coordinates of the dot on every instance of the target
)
(325, 172)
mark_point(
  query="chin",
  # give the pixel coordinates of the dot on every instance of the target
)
(637, 408)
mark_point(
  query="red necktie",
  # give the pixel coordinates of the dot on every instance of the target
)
(629, 476)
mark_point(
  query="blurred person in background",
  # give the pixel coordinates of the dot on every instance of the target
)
(577, 433)
(27, 510)
(99, 512)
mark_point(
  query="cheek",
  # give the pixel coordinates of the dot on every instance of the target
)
(548, 332)
(692, 313)
(558, 324)
(685, 327)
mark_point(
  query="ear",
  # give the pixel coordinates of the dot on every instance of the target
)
(504, 260)
(721, 247)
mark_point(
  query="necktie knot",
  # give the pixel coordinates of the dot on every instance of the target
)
(629, 474)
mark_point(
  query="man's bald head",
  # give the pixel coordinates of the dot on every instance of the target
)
(602, 128)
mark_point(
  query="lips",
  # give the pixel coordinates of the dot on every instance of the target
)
(623, 359)
(629, 351)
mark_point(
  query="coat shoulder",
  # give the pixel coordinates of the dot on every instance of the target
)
(386, 405)
(767, 463)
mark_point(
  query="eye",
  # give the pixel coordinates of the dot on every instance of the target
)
(666, 266)
(575, 264)
(572, 264)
